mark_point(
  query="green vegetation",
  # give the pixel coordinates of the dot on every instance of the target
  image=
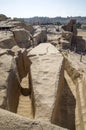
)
(78, 25)
(83, 27)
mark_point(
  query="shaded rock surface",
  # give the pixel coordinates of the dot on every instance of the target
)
(71, 26)
(22, 37)
(75, 77)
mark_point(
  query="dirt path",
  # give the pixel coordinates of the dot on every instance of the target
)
(25, 105)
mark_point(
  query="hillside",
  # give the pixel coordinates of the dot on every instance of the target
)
(43, 20)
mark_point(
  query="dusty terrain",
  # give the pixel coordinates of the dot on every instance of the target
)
(82, 33)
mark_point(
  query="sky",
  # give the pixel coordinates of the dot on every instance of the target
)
(49, 8)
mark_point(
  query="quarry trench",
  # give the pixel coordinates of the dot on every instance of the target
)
(19, 87)
(22, 101)
(25, 104)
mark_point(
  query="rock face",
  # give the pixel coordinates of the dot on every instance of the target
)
(60, 36)
(81, 40)
(15, 23)
(10, 121)
(71, 27)
(52, 29)
(19, 69)
(15, 32)
(40, 35)
(5, 66)
(81, 44)
(53, 35)
(22, 37)
(75, 77)
(66, 39)
(12, 70)
(47, 81)
(7, 40)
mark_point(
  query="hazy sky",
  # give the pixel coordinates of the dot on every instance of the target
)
(51, 8)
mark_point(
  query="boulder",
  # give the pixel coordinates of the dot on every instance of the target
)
(54, 35)
(47, 81)
(22, 37)
(21, 24)
(3, 17)
(7, 40)
(9, 23)
(71, 34)
(81, 44)
(71, 27)
(40, 35)
(51, 29)
(10, 121)
(66, 39)
(29, 27)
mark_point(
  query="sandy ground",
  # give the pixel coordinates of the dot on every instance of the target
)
(82, 33)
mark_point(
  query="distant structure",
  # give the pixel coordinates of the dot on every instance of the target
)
(71, 27)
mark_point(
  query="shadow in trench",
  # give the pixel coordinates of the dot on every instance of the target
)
(67, 108)
(64, 110)
(19, 91)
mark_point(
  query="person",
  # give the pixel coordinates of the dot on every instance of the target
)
(81, 57)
